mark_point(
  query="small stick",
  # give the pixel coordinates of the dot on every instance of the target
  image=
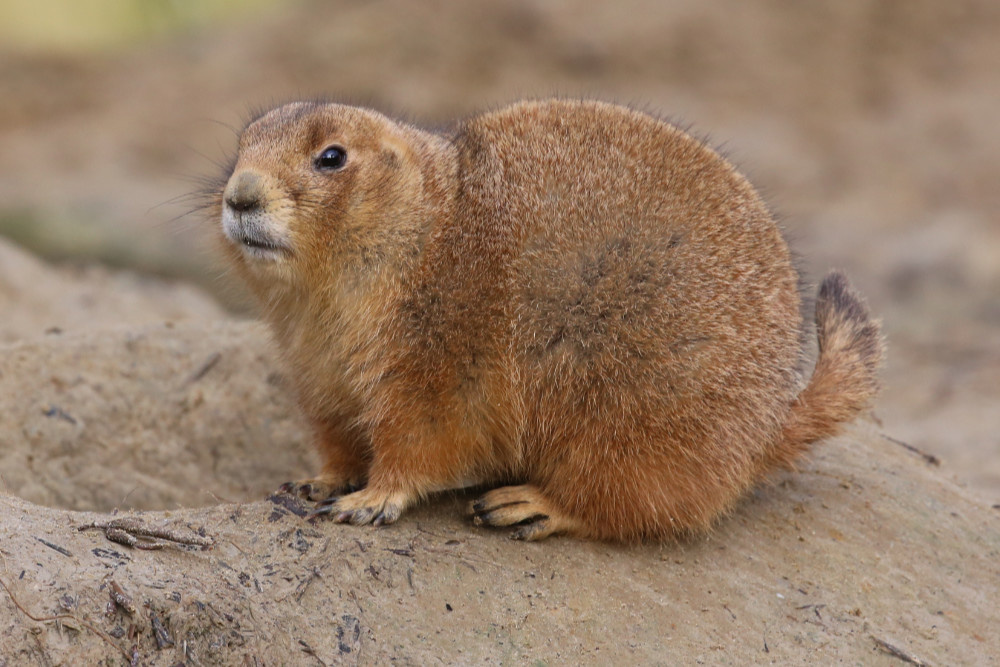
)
(300, 590)
(132, 532)
(929, 458)
(308, 650)
(163, 638)
(64, 552)
(121, 598)
(59, 617)
(203, 370)
(400, 552)
(897, 652)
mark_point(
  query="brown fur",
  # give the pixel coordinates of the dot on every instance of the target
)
(572, 297)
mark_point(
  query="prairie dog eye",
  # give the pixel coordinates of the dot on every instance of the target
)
(331, 159)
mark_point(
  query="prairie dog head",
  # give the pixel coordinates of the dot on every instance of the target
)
(321, 187)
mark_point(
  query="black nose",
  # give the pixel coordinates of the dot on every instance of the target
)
(245, 192)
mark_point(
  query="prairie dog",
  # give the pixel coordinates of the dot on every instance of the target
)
(571, 300)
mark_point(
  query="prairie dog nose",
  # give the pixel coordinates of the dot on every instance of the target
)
(245, 191)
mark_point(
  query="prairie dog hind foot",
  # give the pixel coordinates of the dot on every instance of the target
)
(525, 507)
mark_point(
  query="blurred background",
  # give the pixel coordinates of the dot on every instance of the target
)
(870, 126)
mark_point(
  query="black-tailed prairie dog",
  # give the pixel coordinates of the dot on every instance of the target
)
(573, 302)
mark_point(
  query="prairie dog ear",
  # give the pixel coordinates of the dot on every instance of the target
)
(395, 151)
(399, 163)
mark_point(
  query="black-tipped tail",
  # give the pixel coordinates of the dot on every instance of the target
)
(845, 380)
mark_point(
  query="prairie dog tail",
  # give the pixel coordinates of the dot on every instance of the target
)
(845, 379)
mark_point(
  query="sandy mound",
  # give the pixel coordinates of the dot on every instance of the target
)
(126, 399)
(865, 551)
(147, 417)
(38, 299)
(862, 550)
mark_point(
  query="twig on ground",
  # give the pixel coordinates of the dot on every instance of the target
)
(160, 633)
(120, 597)
(132, 532)
(60, 617)
(897, 652)
(929, 458)
(55, 547)
(308, 650)
(205, 367)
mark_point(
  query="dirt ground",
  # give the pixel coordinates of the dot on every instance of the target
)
(864, 557)
(866, 554)
(871, 130)
(150, 433)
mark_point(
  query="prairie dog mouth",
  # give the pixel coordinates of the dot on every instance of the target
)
(251, 231)
(246, 220)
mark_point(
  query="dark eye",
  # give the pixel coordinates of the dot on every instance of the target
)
(331, 159)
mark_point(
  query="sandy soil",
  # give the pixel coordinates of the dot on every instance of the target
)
(830, 567)
(866, 553)
(38, 299)
(140, 414)
(871, 130)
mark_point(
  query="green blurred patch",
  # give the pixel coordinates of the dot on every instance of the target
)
(61, 239)
(65, 239)
(96, 25)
